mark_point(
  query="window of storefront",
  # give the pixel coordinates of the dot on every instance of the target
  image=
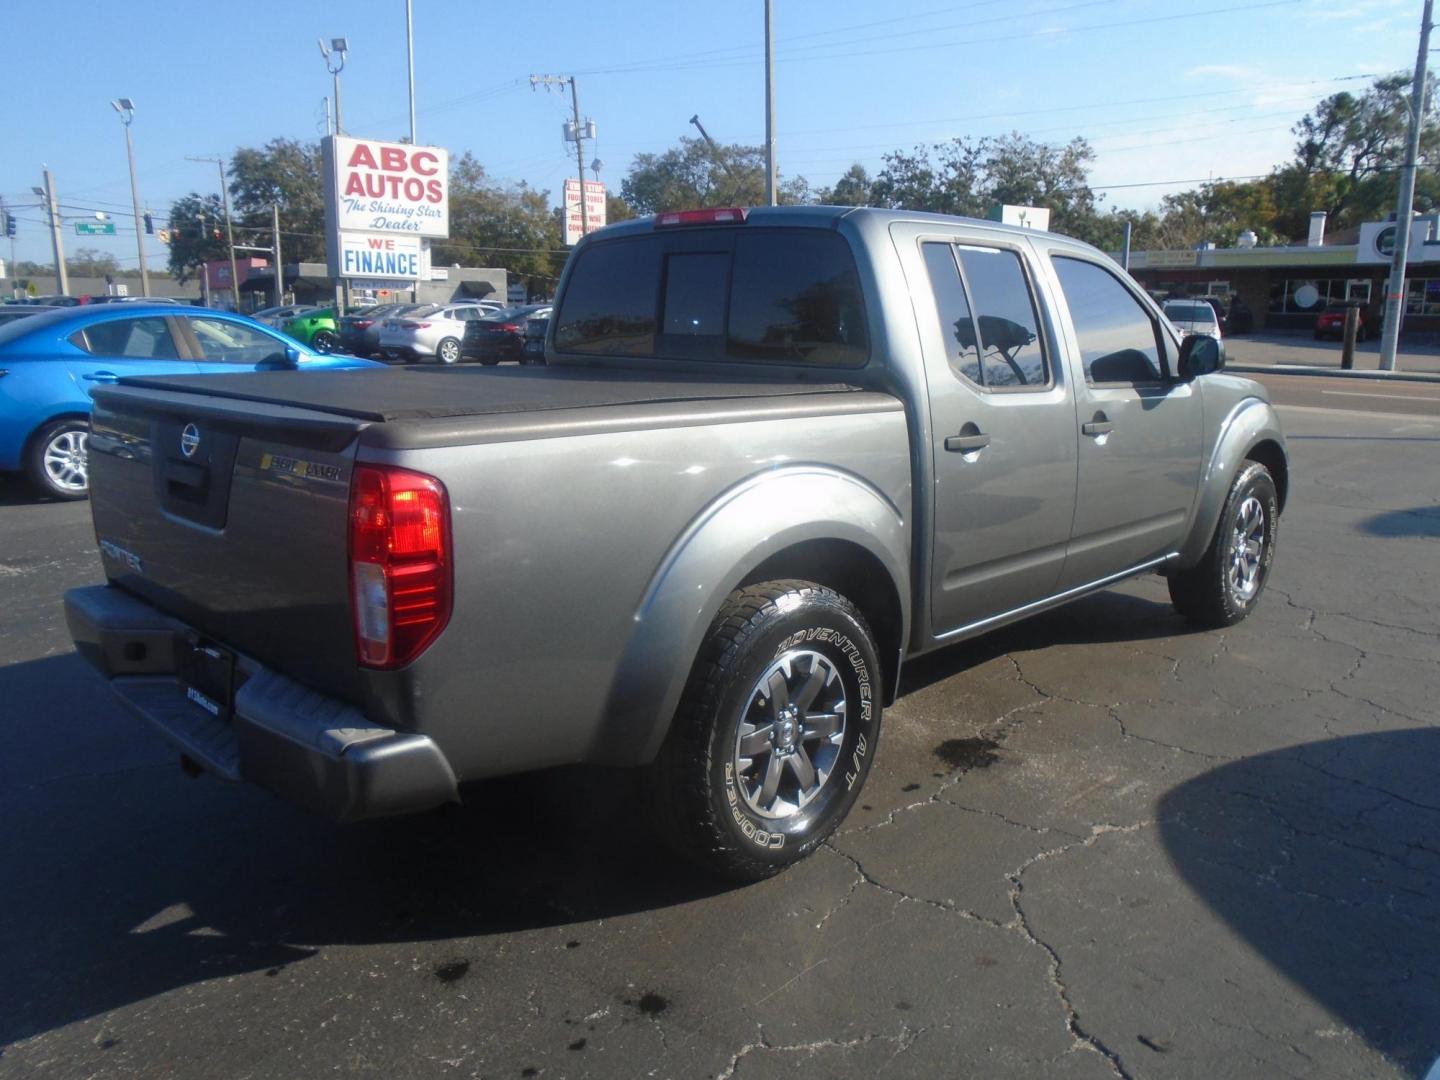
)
(1300, 296)
(1422, 296)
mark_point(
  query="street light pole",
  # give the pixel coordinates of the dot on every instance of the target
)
(1405, 206)
(126, 108)
(337, 47)
(279, 262)
(410, 61)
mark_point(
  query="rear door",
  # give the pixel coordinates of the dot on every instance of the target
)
(142, 345)
(1140, 428)
(1002, 427)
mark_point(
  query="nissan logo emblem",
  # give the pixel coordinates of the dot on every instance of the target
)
(189, 440)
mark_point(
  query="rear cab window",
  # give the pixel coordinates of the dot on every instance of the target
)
(786, 296)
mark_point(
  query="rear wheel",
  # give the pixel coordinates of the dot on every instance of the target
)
(324, 341)
(448, 351)
(59, 459)
(775, 732)
(1226, 584)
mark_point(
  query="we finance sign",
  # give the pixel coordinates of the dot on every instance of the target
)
(383, 187)
(392, 258)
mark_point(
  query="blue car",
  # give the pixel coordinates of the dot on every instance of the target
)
(49, 362)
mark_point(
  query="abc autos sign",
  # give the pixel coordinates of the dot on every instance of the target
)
(382, 187)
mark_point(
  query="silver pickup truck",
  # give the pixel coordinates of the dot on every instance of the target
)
(772, 455)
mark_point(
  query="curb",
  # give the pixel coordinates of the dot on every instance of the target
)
(1336, 373)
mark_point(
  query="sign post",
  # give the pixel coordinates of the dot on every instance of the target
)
(381, 199)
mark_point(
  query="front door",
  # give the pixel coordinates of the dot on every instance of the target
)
(1140, 428)
(1003, 430)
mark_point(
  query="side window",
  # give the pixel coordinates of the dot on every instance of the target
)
(1119, 341)
(138, 339)
(694, 303)
(225, 342)
(795, 297)
(1010, 350)
(956, 324)
(609, 306)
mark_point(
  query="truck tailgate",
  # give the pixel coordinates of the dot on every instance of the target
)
(232, 516)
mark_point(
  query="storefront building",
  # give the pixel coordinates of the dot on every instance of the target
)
(1287, 287)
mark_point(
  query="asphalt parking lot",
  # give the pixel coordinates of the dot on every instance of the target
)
(1098, 844)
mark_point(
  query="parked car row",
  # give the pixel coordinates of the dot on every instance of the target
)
(51, 360)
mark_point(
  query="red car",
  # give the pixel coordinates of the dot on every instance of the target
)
(1331, 322)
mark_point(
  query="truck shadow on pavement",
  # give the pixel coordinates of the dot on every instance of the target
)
(1423, 521)
(126, 879)
(1324, 859)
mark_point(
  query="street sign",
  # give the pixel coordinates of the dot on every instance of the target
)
(594, 208)
(95, 228)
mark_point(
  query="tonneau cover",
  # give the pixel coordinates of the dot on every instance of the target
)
(418, 393)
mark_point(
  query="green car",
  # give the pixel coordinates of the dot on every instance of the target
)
(317, 328)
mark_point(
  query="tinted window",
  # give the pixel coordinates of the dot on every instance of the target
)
(610, 301)
(795, 298)
(234, 343)
(1010, 350)
(1117, 336)
(143, 339)
(695, 294)
(955, 321)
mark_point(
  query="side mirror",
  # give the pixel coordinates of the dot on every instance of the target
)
(288, 362)
(1200, 355)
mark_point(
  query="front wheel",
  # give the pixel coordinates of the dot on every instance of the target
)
(448, 351)
(59, 460)
(1226, 584)
(775, 732)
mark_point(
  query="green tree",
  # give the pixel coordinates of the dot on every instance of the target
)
(192, 224)
(285, 172)
(852, 189)
(695, 175)
(92, 263)
(494, 225)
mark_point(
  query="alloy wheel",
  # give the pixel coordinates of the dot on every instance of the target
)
(1247, 549)
(67, 460)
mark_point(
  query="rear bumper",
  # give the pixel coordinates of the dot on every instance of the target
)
(313, 750)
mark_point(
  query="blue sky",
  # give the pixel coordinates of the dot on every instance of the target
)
(1184, 90)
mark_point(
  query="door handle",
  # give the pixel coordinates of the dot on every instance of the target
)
(1099, 425)
(100, 376)
(967, 444)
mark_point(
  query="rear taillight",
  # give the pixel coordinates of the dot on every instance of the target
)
(363, 324)
(724, 215)
(400, 574)
(509, 327)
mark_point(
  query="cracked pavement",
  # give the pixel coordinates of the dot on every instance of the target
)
(1098, 844)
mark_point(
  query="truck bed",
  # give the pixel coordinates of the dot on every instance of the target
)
(426, 393)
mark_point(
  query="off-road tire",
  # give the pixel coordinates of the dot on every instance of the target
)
(697, 800)
(1207, 593)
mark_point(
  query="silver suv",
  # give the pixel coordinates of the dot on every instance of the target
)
(433, 332)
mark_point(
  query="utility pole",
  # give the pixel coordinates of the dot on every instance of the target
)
(219, 164)
(580, 134)
(279, 262)
(410, 61)
(1405, 206)
(52, 209)
(769, 105)
(14, 288)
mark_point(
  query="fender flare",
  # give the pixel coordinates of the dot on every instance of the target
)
(1251, 422)
(729, 538)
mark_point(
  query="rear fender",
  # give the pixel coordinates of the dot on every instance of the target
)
(747, 525)
(1249, 424)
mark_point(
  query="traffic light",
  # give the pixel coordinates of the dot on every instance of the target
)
(8, 221)
(149, 223)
